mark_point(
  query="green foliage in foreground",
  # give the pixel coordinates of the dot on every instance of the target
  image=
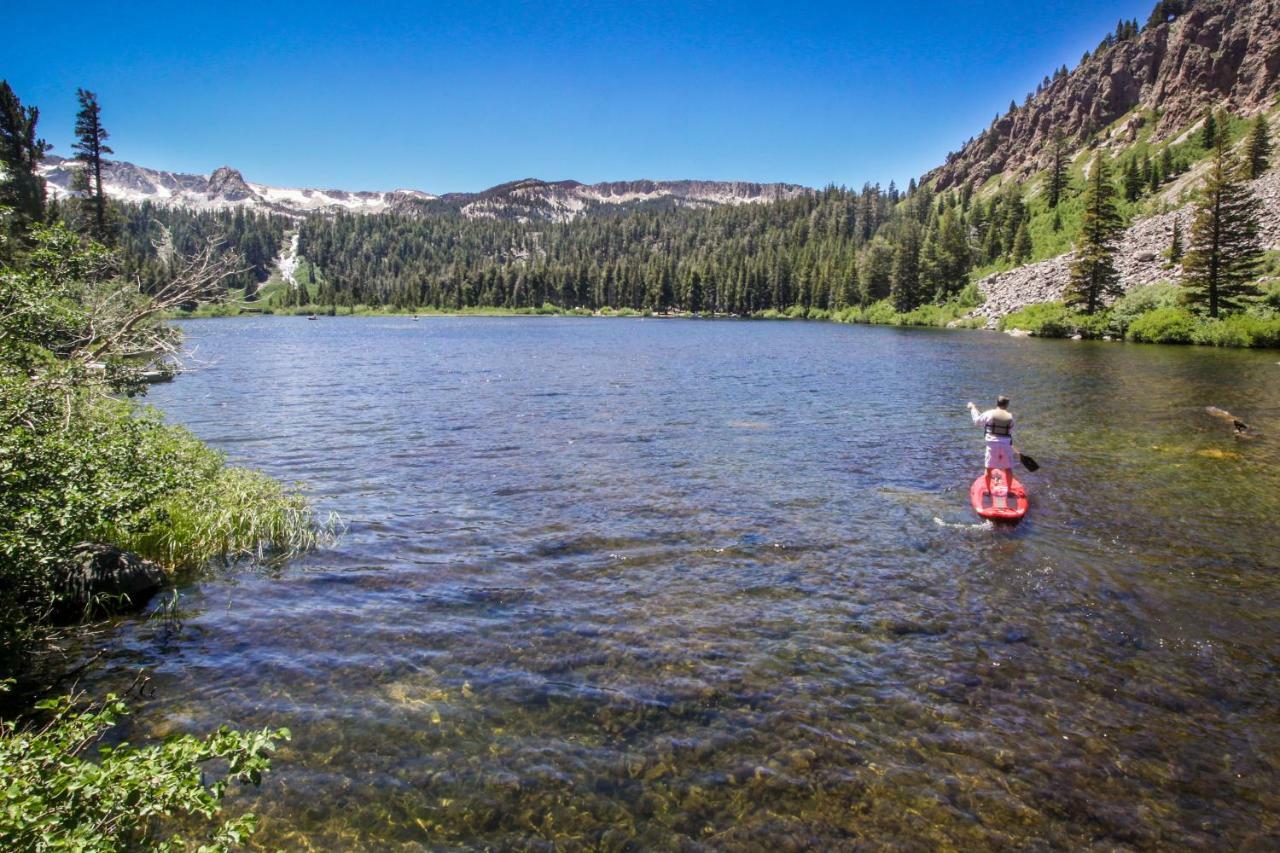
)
(1155, 314)
(57, 796)
(78, 464)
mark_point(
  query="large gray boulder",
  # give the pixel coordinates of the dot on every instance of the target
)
(102, 579)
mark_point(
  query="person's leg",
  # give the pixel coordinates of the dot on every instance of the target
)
(1008, 479)
(989, 482)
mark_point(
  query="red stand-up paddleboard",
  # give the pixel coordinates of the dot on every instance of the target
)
(1002, 503)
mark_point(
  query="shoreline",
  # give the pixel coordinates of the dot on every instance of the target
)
(964, 323)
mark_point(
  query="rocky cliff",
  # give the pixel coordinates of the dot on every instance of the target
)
(1191, 55)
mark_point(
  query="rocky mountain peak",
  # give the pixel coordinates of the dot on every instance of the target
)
(228, 184)
(1191, 55)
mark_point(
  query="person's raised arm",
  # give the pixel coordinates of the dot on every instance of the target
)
(973, 411)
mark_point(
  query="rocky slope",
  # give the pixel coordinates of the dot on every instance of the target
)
(529, 199)
(1140, 258)
(1212, 52)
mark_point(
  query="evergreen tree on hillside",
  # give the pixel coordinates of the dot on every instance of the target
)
(90, 146)
(1209, 131)
(1154, 177)
(953, 259)
(21, 187)
(1132, 180)
(1013, 213)
(1257, 151)
(1093, 272)
(1175, 242)
(904, 284)
(875, 271)
(1056, 183)
(1022, 248)
(1224, 252)
(1167, 167)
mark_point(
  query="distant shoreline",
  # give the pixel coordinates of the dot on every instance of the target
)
(1044, 323)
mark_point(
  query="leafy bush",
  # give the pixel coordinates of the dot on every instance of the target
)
(1163, 326)
(1239, 330)
(1095, 325)
(77, 464)
(57, 797)
(1046, 319)
(880, 312)
(1142, 300)
(1271, 294)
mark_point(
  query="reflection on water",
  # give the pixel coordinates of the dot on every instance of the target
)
(636, 584)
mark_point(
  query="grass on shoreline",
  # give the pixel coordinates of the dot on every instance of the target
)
(1155, 314)
(1151, 314)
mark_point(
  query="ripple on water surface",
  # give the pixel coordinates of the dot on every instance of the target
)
(681, 584)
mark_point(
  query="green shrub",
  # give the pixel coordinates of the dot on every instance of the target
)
(1142, 300)
(1239, 330)
(1163, 326)
(1271, 294)
(77, 464)
(796, 312)
(58, 797)
(1095, 325)
(880, 312)
(1045, 319)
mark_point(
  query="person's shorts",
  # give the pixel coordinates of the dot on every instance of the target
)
(999, 455)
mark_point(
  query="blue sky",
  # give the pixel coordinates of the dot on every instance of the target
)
(460, 96)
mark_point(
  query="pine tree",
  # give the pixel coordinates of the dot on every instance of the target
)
(1093, 272)
(1057, 181)
(90, 146)
(1224, 252)
(1209, 132)
(1167, 167)
(1175, 242)
(875, 271)
(1022, 248)
(1258, 149)
(904, 283)
(1132, 180)
(954, 257)
(21, 187)
(1057, 220)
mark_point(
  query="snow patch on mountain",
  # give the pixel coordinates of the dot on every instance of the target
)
(287, 263)
(224, 189)
(525, 200)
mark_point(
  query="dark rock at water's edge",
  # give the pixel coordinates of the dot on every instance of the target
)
(102, 579)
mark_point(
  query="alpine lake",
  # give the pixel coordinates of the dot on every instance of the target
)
(632, 584)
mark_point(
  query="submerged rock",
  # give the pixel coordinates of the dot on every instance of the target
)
(103, 579)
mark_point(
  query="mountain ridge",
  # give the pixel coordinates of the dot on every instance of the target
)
(1191, 55)
(526, 198)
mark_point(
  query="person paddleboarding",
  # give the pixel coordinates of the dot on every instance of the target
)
(997, 424)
